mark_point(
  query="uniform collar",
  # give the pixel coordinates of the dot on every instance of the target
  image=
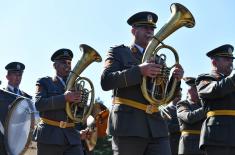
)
(136, 53)
(141, 49)
(217, 75)
(11, 88)
(61, 80)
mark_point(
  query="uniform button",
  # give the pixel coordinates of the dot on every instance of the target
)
(217, 123)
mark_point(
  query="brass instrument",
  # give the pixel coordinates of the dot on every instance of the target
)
(91, 142)
(78, 112)
(97, 123)
(158, 93)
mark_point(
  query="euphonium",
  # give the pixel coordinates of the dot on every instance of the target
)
(78, 112)
(159, 93)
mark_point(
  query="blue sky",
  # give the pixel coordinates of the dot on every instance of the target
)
(31, 30)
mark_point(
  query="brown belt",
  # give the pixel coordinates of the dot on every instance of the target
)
(147, 108)
(60, 124)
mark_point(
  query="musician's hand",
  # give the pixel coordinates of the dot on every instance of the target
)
(73, 96)
(178, 72)
(85, 134)
(150, 69)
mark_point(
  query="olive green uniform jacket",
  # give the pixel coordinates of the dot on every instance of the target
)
(191, 117)
(174, 128)
(122, 75)
(217, 93)
(50, 102)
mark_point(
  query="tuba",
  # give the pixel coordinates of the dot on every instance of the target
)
(78, 112)
(156, 90)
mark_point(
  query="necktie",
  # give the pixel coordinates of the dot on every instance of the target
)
(16, 90)
(65, 79)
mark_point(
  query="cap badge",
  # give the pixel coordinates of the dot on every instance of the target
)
(149, 18)
(230, 51)
(18, 66)
(66, 53)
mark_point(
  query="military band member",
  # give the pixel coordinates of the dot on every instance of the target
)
(217, 91)
(56, 133)
(9, 94)
(191, 116)
(173, 123)
(133, 130)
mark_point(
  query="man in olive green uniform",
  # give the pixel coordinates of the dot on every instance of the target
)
(173, 123)
(56, 133)
(9, 94)
(217, 91)
(191, 116)
(136, 127)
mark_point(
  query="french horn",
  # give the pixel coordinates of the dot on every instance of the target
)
(78, 112)
(157, 90)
